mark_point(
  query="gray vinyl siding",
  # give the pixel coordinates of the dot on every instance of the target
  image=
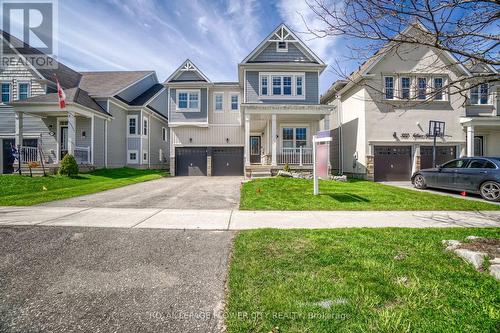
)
(189, 76)
(7, 120)
(269, 54)
(157, 143)
(99, 142)
(134, 144)
(160, 103)
(138, 88)
(187, 117)
(117, 137)
(83, 125)
(311, 87)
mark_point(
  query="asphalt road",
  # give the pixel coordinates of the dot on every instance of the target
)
(55, 279)
(169, 192)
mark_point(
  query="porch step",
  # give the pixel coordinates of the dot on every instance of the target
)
(260, 174)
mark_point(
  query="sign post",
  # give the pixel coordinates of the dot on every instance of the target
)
(436, 129)
(320, 157)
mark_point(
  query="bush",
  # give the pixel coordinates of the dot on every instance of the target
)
(68, 166)
(286, 167)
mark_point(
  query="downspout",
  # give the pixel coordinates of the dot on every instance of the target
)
(149, 141)
(341, 144)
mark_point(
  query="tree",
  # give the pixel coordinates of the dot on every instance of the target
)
(466, 29)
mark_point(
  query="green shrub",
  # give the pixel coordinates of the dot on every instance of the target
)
(287, 167)
(68, 166)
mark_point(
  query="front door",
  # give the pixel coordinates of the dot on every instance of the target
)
(8, 155)
(63, 142)
(255, 150)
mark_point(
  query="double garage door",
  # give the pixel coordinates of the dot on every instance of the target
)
(192, 161)
(394, 163)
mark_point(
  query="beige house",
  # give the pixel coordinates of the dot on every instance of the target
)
(382, 112)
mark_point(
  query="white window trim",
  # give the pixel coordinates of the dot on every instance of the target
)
(164, 134)
(261, 85)
(400, 81)
(444, 97)
(145, 124)
(231, 102)
(393, 87)
(295, 126)
(145, 156)
(418, 88)
(282, 50)
(293, 96)
(488, 102)
(19, 89)
(215, 101)
(130, 161)
(137, 128)
(10, 91)
(180, 91)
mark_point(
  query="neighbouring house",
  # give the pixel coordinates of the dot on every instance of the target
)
(254, 126)
(381, 113)
(112, 119)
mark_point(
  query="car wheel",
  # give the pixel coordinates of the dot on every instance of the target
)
(490, 191)
(419, 182)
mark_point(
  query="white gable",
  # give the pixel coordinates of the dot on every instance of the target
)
(188, 72)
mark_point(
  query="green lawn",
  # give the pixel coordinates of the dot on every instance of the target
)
(297, 194)
(25, 191)
(358, 280)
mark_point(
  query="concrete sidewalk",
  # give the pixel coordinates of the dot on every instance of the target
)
(151, 218)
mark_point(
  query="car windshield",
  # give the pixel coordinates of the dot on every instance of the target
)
(455, 164)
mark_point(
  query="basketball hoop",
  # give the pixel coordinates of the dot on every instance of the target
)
(436, 130)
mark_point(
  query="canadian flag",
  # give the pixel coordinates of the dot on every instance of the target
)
(61, 95)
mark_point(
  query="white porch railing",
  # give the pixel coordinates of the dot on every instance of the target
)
(82, 155)
(29, 154)
(295, 156)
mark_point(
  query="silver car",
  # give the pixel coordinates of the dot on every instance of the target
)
(480, 175)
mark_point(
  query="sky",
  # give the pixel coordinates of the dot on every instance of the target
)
(160, 34)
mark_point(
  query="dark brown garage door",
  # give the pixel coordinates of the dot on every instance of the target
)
(443, 155)
(191, 161)
(227, 161)
(392, 163)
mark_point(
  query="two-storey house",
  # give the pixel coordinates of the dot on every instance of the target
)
(258, 124)
(381, 113)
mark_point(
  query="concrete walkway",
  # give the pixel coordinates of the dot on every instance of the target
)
(152, 218)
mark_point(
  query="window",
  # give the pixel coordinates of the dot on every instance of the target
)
(164, 134)
(5, 92)
(294, 137)
(188, 100)
(145, 126)
(287, 85)
(478, 94)
(405, 87)
(263, 85)
(481, 164)
(438, 88)
(23, 91)
(389, 87)
(478, 146)
(218, 100)
(455, 164)
(144, 156)
(422, 88)
(298, 85)
(132, 156)
(276, 85)
(132, 125)
(235, 105)
(281, 47)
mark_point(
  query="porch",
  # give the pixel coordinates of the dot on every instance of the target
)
(483, 135)
(280, 134)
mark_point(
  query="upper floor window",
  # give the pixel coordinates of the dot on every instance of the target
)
(478, 94)
(5, 92)
(298, 85)
(438, 89)
(218, 100)
(164, 134)
(188, 100)
(405, 87)
(132, 125)
(389, 87)
(287, 85)
(422, 88)
(276, 85)
(263, 85)
(23, 91)
(145, 126)
(281, 47)
(282, 85)
(235, 105)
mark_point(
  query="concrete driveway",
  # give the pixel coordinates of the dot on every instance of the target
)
(170, 192)
(55, 279)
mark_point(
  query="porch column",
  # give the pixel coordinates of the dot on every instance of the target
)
(247, 139)
(19, 129)
(71, 133)
(274, 145)
(470, 141)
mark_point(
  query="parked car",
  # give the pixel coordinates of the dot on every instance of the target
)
(480, 175)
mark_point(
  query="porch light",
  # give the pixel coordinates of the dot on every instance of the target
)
(190, 140)
(227, 140)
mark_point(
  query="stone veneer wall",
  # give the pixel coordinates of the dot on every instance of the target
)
(370, 168)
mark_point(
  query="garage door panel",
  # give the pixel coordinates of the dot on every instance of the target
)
(227, 161)
(392, 163)
(191, 161)
(443, 155)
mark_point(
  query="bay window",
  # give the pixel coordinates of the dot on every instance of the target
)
(132, 125)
